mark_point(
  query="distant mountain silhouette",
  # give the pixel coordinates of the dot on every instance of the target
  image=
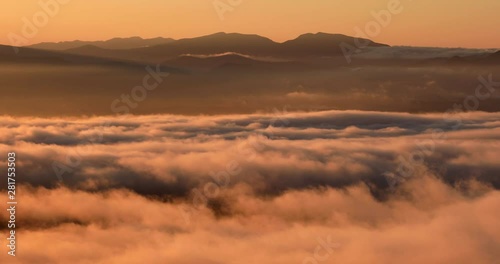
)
(478, 59)
(495, 56)
(88, 50)
(27, 55)
(232, 62)
(307, 45)
(235, 73)
(115, 43)
(213, 44)
(209, 62)
(323, 44)
(51, 58)
(320, 44)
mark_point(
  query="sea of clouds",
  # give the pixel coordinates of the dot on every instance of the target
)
(260, 188)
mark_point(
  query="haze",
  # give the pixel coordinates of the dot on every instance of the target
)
(275, 132)
(465, 23)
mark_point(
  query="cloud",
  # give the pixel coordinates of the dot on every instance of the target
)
(435, 225)
(261, 188)
(170, 155)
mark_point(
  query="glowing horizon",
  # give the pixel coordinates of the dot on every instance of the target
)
(420, 23)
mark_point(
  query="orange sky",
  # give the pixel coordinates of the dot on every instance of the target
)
(447, 23)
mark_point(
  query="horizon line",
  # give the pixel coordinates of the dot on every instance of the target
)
(248, 34)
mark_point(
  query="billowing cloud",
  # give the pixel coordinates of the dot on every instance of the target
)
(352, 186)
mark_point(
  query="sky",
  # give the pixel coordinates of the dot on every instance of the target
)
(444, 23)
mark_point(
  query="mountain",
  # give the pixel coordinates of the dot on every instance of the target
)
(495, 56)
(115, 43)
(323, 44)
(44, 82)
(30, 55)
(193, 62)
(234, 63)
(89, 50)
(486, 58)
(320, 44)
(307, 45)
(213, 44)
(26, 56)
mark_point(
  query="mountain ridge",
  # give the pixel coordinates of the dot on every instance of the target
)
(114, 43)
(306, 45)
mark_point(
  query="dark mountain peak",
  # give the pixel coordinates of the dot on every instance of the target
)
(129, 38)
(217, 43)
(327, 38)
(323, 44)
(137, 40)
(320, 35)
(223, 36)
(318, 44)
(114, 43)
(218, 34)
